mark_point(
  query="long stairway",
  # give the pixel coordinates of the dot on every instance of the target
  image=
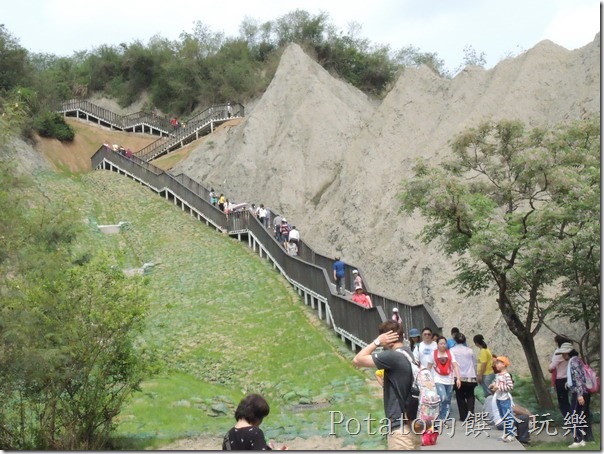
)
(309, 273)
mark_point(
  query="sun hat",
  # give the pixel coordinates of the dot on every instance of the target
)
(355, 271)
(413, 332)
(566, 347)
(504, 360)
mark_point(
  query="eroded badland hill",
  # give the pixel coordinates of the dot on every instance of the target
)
(332, 160)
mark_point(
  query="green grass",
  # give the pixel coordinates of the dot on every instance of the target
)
(223, 322)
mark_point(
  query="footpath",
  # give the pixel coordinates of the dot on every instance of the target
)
(456, 438)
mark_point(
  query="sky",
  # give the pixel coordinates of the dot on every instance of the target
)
(496, 28)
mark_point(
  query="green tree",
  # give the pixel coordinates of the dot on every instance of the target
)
(412, 56)
(70, 356)
(518, 211)
(13, 61)
(69, 321)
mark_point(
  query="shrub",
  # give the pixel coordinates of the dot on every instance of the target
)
(49, 124)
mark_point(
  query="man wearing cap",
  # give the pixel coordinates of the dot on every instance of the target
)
(358, 280)
(361, 297)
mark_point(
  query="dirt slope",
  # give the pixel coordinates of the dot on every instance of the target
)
(75, 156)
(321, 152)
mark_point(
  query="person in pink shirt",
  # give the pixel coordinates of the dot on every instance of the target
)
(361, 297)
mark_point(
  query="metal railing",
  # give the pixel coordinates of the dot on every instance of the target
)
(122, 122)
(172, 137)
(309, 270)
(195, 127)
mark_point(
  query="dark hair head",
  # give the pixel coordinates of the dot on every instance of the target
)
(561, 339)
(390, 325)
(459, 338)
(479, 340)
(454, 330)
(427, 328)
(441, 338)
(253, 408)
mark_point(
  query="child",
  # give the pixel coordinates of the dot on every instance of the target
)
(501, 387)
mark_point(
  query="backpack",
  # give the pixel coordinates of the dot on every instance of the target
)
(424, 390)
(592, 381)
(429, 402)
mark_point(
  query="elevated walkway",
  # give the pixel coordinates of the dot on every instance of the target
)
(309, 272)
(171, 138)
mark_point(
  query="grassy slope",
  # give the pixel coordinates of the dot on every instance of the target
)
(223, 321)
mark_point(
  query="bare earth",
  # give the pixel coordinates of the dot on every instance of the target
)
(297, 444)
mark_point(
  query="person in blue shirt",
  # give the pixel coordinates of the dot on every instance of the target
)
(338, 275)
(451, 342)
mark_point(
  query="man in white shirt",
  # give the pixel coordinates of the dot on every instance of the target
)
(425, 349)
(294, 236)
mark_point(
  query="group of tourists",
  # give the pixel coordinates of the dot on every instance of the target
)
(219, 201)
(126, 152)
(569, 380)
(455, 367)
(359, 295)
(286, 234)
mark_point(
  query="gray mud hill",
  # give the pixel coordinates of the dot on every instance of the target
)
(332, 160)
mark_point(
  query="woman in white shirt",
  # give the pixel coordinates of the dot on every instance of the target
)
(445, 371)
(466, 360)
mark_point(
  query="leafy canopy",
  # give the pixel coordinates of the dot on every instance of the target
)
(519, 212)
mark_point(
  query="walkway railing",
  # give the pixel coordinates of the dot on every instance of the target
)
(194, 128)
(171, 138)
(310, 273)
(136, 122)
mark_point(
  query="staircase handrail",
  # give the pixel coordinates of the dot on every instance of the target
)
(121, 121)
(197, 195)
(218, 112)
